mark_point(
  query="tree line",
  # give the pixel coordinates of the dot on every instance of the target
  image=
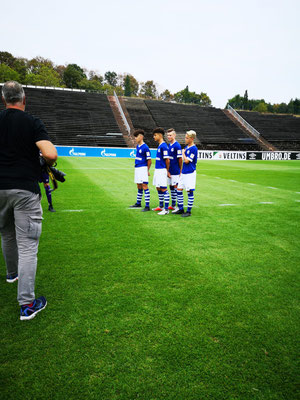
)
(243, 103)
(40, 71)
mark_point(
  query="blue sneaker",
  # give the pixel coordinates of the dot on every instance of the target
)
(11, 278)
(29, 311)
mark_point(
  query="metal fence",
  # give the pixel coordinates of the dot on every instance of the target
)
(122, 113)
(243, 122)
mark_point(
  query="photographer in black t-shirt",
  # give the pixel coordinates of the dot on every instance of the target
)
(22, 138)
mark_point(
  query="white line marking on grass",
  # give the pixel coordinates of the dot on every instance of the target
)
(266, 202)
(203, 175)
(232, 180)
(298, 192)
(71, 210)
(217, 177)
(225, 205)
(271, 187)
(252, 184)
(297, 201)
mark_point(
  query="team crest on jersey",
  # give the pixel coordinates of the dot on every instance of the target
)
(140, 151)
(188, 152)
(172, 149)
(158, 150)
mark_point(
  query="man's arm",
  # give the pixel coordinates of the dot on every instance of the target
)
(149, 162)
(180, 162)
(48, 151)
(167, 164)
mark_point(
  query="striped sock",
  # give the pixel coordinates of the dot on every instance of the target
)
(190, 201)
(139, 196)
(160, 198)
(167, 199)
(173, 195)
(147, 197)
(180, 199)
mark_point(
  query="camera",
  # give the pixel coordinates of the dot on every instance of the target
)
(52, 171)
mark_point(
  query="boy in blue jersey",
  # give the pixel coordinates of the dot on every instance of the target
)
(187, 179)
(162, 165)
(175, 154)
(141, 171)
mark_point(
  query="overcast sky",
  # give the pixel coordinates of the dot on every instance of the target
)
(218, 47)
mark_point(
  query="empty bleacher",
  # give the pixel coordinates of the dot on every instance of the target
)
(283, 131)
(75, 118)
(141, 118)
(214, 129)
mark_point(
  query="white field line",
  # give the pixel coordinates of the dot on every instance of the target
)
(266, 202)
(271, 187)
(71, 210)
(225, 205)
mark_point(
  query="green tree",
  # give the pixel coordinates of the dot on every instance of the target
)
(148, 90)
(20, 66)
(261, 107)
(166, 95)
(72, 75)
(127, 86)
(46, 77)
(283, 108)
(92, 85)
(185, 96)
(95, 77)
(236, 102)
(35, 64)
(245, 100)
(8, 74)
(111, 78)
(7, 58)
(134, 85)
(297, 106)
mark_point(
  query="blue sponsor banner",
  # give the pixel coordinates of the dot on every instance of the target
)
(108, 152)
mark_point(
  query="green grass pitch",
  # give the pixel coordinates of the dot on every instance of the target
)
(149, 307)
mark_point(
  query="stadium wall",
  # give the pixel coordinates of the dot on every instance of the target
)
(119, 152)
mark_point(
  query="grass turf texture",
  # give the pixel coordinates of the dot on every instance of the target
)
(142, 306)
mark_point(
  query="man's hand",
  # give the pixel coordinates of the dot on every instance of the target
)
(169, 175)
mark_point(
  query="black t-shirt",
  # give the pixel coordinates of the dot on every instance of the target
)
(19, 155)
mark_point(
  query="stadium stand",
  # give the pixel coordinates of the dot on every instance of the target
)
(141, 118)
(283, 131)
(75, 118)
(214, 129)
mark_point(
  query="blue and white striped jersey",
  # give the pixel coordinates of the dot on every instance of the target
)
(192, 154)
(142, 155)
(175, 153)
(161, 155)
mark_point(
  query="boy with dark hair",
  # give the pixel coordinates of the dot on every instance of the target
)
(142, 170)
(162, 165)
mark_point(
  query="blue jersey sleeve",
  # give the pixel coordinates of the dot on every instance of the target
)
(147, 152)
(178, 150)
(165, 151)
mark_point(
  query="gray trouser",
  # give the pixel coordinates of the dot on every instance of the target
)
(20, 229)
